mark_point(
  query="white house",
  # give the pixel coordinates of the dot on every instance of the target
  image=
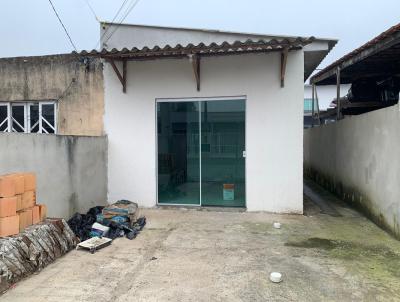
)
(326, 94)
(206, 118)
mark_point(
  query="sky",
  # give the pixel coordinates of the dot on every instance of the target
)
(30, 27)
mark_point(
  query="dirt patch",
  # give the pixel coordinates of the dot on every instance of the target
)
(320, 243)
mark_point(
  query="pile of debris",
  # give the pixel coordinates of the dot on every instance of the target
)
(116, 220)
(34, 248)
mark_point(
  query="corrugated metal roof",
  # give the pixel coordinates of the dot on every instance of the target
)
(237, 47)
(394, 30)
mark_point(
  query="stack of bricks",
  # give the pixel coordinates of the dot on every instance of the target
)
(18, 208)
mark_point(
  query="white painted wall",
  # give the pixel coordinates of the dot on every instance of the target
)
(274, 124)
(358, 158)
(326, 94)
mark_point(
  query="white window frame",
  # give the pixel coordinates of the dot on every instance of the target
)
(29, 124)
(27, 116)
(7, 120)
(12, 120)
(42, 119)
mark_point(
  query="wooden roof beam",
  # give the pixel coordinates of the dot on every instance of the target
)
(121, 77)
(284, 55)
(195, 60)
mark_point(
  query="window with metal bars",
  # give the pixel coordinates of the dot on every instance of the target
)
(28, 117)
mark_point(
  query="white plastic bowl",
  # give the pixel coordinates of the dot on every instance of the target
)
(277, 225)
(275, 277)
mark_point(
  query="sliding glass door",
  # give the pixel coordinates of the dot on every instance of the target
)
(222, 153)
(178, 152)
(201, 152)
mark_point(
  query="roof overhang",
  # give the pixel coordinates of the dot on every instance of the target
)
(196, 52)
(201, 49)
(315, 53)
(157, 42)
(378, 58)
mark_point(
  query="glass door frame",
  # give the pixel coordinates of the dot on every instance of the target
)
(198, 99)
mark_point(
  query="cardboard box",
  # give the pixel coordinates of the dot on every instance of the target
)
(30, 181)
(42, 211)
(25, 219)
(7, 187)
(28, 199)
(35, 215)
(228, 192)
(9, 226)
(19, 182)
(19, 202)
(8, 206)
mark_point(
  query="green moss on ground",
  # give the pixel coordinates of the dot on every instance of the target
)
(375, 262)
(355, 243)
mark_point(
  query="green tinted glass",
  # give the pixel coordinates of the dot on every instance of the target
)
(178, 153)
(222, 153)
(201, 149)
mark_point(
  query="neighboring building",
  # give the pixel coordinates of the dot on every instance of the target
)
(326, 94)
(372, 71)
(60, 94)
(204, 117)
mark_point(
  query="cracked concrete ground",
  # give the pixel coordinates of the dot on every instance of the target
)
(193, 255)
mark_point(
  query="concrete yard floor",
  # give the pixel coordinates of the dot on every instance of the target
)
(199, 255)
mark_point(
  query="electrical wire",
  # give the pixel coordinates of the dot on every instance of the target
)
(113, 19)
(122, 17)
(127, 12)
(119, 10)
(62, 24)
(92, 10)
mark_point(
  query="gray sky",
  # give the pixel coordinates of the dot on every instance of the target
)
(29, 27)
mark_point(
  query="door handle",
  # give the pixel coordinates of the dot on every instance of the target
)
(244, 154)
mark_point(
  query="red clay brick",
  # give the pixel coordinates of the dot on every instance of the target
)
(35, 215)
(19, 181)
(42, 211)
(30, 181)
(19, 202)
(7, 187)
(28, 199)
(25, 219)
(9, 226)
(8, 206)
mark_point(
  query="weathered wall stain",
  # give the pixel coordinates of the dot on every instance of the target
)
(355, 199)
(73, 204)
(357, 159)
(76, 82)
(71, 170)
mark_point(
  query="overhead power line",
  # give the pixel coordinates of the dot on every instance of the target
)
(119, 10)
(62, 24)
(113, 19)
(127, 12)
(92, 10)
